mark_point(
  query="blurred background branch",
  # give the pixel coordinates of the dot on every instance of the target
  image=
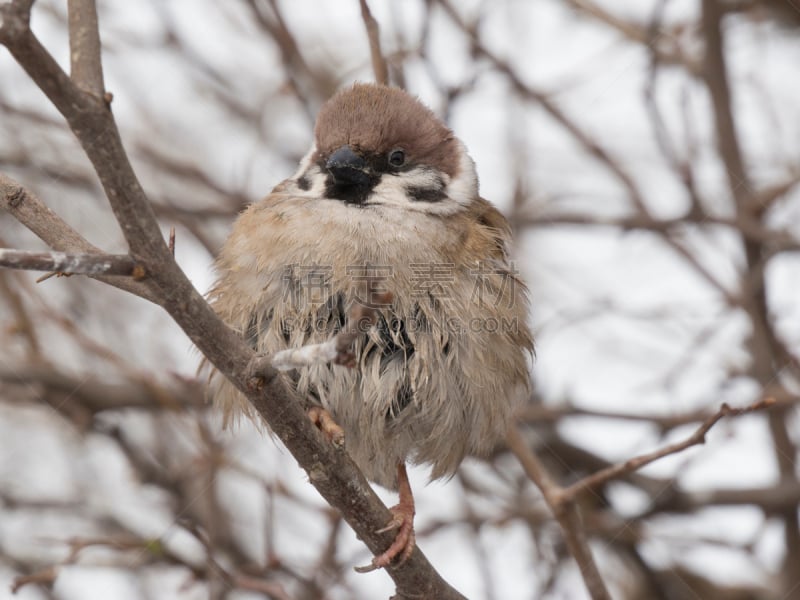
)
(646, 154)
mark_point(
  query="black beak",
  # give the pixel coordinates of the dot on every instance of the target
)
(348, 168)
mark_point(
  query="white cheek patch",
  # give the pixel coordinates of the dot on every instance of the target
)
(308, 180)
(463, 188)
(421, 178)
(316, 179)
(305, 162)
(421, 189)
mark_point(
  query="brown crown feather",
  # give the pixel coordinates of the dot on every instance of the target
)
(376, 118)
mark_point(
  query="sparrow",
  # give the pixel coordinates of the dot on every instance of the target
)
(384, 211)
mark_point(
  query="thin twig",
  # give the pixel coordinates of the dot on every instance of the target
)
(251, 584)
(666, 46)
(28, 209)
(746, 226)
(98, 396)
(592, 146)
(563, 501)
(44, 577)
(636, 463)
(25, 322)
(331, 471)
(338, 349)
(565, 512)
(379, 67)
(60, 262)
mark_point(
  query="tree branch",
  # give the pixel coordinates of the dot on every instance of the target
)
(565, 512)
(665, 45)
(330, 470)
(593, 147)
(97, 396)
(83, 264)
(338, 349)
(767, 351)
(86, 68)
(29, 210)
(636, 463)
(379, 67)
(563, 501)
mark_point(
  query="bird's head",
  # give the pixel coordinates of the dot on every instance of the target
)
(377, 145)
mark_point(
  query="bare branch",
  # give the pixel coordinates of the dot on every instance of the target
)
(251, 584)
(565, 512)
(767, 350)
(338, 349)
(562, 501)
(86, 68)
(751, 228)
(29, 210)
(84, 264)
(716, 78)
(45, 577)
(593, 147)
(783, 496)
(94, 127)
(379, 67)
(664, 45)
(97, 396)
(633, 464)
(330, 470)
(38, 218)
(537, 412)
(25, 324)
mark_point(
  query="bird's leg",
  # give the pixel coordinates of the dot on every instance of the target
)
(402, 521)
(325, 423)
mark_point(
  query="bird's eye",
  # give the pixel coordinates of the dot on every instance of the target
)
(397, 158)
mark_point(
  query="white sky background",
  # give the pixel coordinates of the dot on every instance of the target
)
(616, 360)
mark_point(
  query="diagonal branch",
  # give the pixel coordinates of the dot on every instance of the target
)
(379, 67)
(636, 463)
(330, 470)
(29, 210)
(563, 500)
(665, 46)
(593, 147)
(566, 513)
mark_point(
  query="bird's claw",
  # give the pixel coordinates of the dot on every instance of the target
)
(256, 370)
(404, 542)
(325, 423)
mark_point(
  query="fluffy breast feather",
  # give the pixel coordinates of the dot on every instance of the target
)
(460, 365)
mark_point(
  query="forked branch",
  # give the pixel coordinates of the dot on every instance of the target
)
(563, 501)
(330, 470)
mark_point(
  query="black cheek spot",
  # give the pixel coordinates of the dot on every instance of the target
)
(426, 194)
(304, 183)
